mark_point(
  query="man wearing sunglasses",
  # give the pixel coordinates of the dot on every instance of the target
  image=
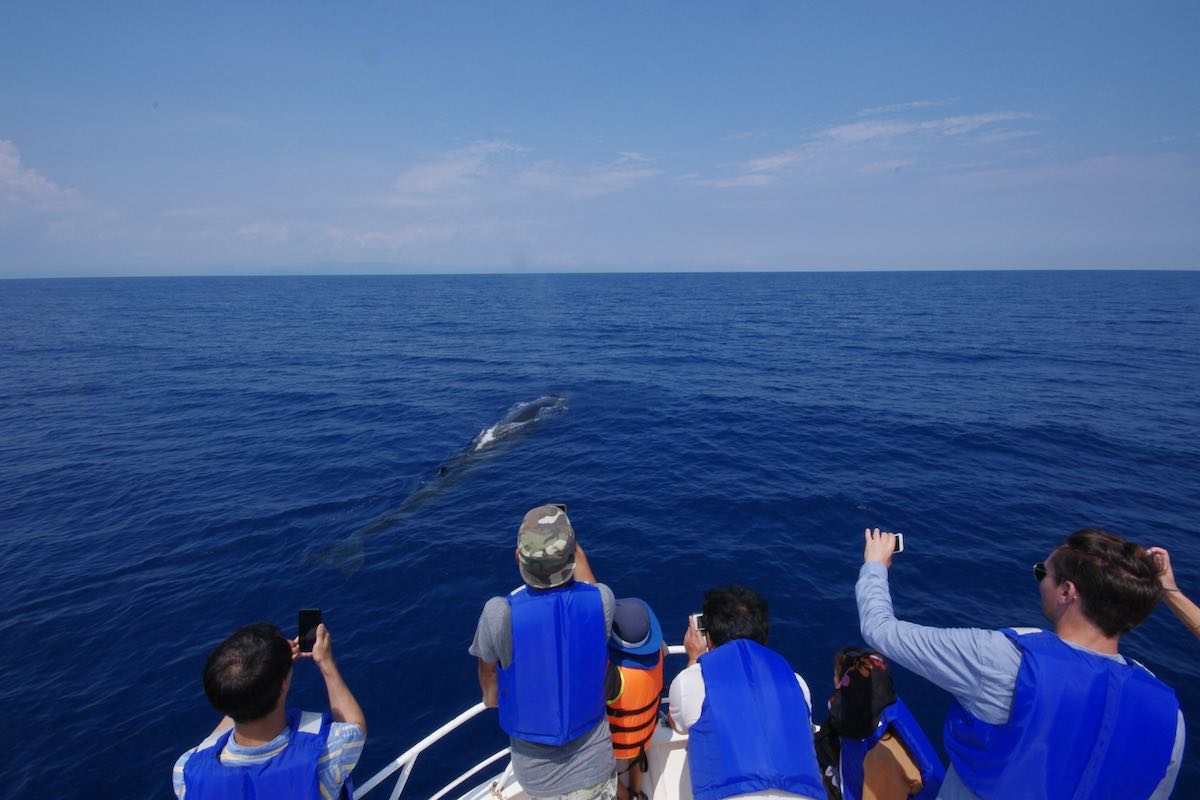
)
(1039, 714)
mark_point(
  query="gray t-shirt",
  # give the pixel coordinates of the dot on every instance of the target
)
(542, 769)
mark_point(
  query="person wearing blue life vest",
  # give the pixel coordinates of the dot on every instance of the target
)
(542, 656)
(881, 753)
(747, 715)
(261, 748)
(1038, 714)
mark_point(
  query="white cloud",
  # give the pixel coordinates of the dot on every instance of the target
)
(476, 173)
(397, 239)
(456, 172)
(275, 232)
(23, 187)
(587, 183)
(910, 106)
(1005, 136)
(757, 172)
(773, 163)
(856, 132)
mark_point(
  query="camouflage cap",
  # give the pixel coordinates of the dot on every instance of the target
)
(546, 548)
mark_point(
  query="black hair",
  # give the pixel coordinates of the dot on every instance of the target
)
(1117, 580)
(864, 689)
(735, 612)
(244, 675)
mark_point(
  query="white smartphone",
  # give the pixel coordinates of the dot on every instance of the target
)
(899, 543)
(697, 621)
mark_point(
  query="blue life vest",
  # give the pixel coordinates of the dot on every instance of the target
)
(906, 729)
(755, 728)
(1081, 726)
(292, 773)
(553, 688)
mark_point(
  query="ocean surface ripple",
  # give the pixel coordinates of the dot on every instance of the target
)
(171, 449)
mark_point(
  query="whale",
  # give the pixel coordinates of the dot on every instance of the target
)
(520, 421)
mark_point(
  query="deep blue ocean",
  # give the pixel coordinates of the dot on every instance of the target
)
(170, 449)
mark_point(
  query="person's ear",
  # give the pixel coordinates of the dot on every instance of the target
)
(1067, 593)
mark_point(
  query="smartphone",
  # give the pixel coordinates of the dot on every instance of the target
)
(310, 618)
(899, 543)
(697, 621)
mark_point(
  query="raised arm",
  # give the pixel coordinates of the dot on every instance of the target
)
(979, 667)
(342, 705)
(1187, 611)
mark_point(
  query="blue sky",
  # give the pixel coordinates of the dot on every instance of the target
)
(267, 137)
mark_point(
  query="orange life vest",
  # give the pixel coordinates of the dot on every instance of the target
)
(632, 715)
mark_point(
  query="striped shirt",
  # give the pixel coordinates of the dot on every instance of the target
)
(343, 746)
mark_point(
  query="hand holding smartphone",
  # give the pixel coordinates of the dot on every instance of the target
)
(310, 618)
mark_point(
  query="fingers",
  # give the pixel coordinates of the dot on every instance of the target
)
(879, 546)
(323, 646)
(1162, 559)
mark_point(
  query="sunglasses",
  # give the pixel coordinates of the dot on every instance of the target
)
(1039, 571)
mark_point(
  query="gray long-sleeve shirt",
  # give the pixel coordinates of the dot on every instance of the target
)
(979, 667)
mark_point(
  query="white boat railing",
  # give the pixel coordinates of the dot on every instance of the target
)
(405, 762)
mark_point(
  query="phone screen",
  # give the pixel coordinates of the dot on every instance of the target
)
(310, 618)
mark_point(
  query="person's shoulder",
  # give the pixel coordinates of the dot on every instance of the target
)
(688, 677)
(495, 603)
(606, 594)
(496, 609)
(342, 734)
(177, 770)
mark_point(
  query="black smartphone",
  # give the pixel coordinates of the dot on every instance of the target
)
(310, 618)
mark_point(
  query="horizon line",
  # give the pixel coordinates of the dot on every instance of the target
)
(395, 272)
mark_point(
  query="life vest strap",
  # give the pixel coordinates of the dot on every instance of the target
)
(625, 712)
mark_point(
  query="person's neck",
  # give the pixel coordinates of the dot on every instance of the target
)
(260, 731)
(1078, 630)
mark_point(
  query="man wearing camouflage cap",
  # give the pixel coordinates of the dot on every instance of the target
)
(542, 654)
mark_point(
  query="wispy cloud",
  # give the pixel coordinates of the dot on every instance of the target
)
(1006, 136)
(773, 163)
(757, 172)
(584, 183)
(23, 187)
(857, 132)
(270, 232)
(488, 167)
(446, 177)
(871, 146)
(396, 239)
(914, 105)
